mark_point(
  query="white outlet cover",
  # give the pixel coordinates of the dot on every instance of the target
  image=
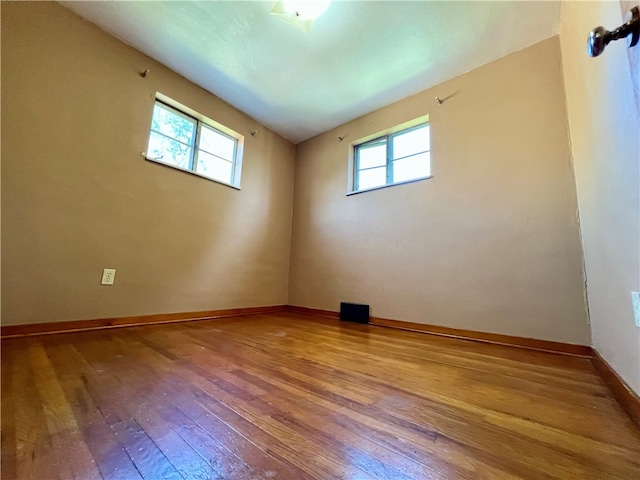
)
(108, 276)
(635, 299)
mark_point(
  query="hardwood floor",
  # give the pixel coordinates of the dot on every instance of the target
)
(290, 396)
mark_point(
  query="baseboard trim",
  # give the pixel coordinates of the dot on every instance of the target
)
(313, 311)
(15, 331)
(495, 338)
(627, 398)
(624, 395)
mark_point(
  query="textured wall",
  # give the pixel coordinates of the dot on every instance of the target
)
(77, 197)
(605, 134)
(491, 243)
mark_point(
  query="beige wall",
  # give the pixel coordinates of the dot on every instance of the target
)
(491, 243)
(77, 197)
(606, 147)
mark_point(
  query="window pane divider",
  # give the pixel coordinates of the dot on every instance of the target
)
(214, 155)
(371, 168)
(412, 155)
(194, 144)
(389, 161)
(387, 141)
(172, 139)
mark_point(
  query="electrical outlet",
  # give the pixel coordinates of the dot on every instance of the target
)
(635, 299)
(108, 276)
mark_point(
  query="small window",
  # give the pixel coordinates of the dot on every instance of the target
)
(396, 158)
(181, 140)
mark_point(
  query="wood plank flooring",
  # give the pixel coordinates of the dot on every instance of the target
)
(291, 396)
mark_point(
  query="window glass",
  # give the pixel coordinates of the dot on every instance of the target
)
(214, 167)
(409, 168)
(394, 158)
(182, 141)
(412, 142)
(216, 143)
(167, 122)
(166, 150)
(373, 177)
(374, 156)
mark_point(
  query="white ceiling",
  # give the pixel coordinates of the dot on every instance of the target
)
(359, 56)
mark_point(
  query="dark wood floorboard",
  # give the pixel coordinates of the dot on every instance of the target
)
(297, 397)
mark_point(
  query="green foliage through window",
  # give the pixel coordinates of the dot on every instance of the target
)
(184, 142)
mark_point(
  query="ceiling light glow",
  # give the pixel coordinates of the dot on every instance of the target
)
(305, 10)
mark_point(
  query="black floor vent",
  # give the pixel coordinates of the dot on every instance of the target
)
(354, 312)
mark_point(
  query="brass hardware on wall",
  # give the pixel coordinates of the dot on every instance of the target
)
(599, 37)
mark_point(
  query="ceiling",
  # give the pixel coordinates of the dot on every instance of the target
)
(359, 56)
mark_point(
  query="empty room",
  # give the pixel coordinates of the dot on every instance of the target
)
(306, 240)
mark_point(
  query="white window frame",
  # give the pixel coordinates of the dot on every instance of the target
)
(200, 121)
(387, 137)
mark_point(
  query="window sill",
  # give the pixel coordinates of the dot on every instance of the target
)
(355, 192)
(158, 162)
